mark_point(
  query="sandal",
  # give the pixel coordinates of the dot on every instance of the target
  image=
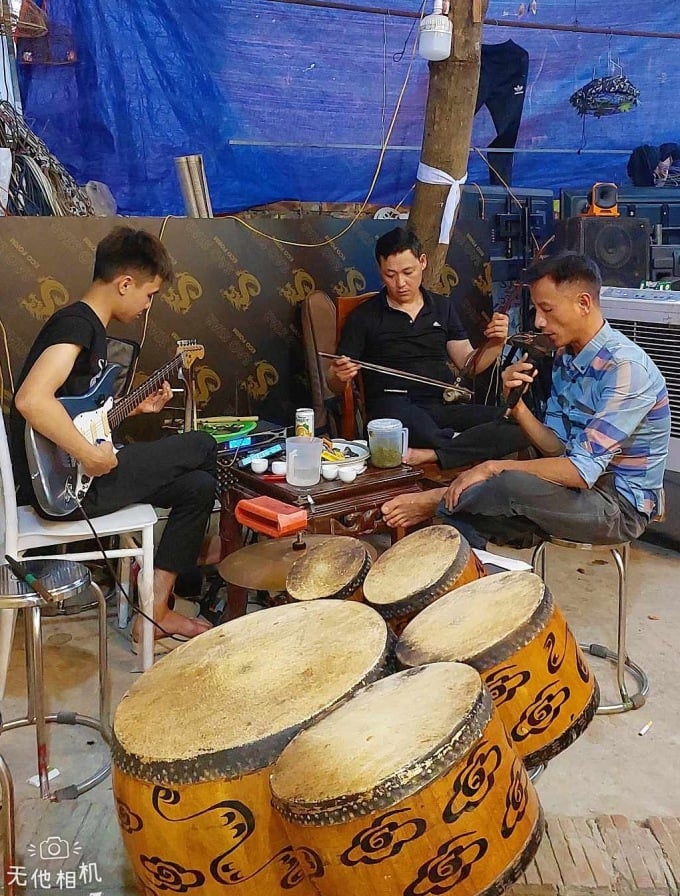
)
(161, 646)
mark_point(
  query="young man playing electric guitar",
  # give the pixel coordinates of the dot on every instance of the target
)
(68, 358)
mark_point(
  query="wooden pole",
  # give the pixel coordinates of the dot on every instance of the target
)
(451, 99)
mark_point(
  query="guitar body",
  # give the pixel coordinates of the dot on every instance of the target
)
(58, 482)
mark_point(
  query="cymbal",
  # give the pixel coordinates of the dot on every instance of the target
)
(264, 566)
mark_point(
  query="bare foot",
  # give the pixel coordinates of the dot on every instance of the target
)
(415, 456)
(412, 508)
(173, 623)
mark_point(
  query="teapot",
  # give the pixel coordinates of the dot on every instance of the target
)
(387, 441)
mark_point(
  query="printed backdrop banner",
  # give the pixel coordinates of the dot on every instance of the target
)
(236, 292)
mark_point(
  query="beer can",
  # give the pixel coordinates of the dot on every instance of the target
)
(304, 422)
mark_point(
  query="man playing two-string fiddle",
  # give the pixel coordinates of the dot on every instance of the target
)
(411, 329)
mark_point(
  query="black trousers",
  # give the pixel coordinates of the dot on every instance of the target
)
(482, 433)
(178, 472)
(502, 83)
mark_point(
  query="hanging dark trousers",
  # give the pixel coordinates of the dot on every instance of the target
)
(502, 85)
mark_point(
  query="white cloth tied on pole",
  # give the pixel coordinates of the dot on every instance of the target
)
(428, 175)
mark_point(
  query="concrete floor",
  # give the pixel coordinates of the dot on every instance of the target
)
(610, 769)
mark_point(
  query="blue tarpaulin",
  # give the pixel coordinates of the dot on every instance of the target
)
(288, 102)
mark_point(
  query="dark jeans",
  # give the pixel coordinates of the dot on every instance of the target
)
(483, 434)
(518, 509)
(178, 472)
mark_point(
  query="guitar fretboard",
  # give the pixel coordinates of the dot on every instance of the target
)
(127, 405)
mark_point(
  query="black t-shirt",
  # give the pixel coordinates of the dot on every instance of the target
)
(379, 334)
(75, 324)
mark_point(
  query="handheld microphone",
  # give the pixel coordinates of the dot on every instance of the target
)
(536, 346)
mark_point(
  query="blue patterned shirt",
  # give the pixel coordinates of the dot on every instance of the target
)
(609, 407)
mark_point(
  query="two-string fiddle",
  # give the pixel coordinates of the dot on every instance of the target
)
(450, 391)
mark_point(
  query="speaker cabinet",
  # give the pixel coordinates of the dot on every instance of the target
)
(620, 246)
(602, 200)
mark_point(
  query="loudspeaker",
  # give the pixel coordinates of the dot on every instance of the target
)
(620, 246)
(602, 201)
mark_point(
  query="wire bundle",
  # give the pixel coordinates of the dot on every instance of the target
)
(39, 185)
(605, 96)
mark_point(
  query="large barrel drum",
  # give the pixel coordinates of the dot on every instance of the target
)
(411, 788)
(417, 570)
(195, 739)
(510, 629)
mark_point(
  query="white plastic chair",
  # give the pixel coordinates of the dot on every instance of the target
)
(21, 529)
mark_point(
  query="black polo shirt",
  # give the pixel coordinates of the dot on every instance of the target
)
(377, 333)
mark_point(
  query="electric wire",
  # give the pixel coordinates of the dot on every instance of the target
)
(371, 188)
(507, 187)
(112, 572)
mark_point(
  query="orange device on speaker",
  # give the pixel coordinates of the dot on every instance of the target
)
(271, 517)
(603, 201)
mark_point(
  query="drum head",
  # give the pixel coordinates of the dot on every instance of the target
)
(472, 619)
(384, 738)
(326, 569)
(413, 565)
(243, 689)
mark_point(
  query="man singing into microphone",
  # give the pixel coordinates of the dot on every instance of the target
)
(603, 443)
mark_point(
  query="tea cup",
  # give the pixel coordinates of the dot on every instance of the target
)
(347, 474)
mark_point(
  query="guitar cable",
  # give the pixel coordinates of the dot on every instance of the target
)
(112, 572)
(273, 436)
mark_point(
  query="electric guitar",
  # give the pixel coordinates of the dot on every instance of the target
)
(57, 478)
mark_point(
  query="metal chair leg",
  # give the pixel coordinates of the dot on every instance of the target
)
(8, 830)
(538, 560)
(620, 657)
(35, 714)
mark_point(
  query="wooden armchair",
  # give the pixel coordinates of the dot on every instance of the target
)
(353, 406)
(318, 334)
(322, 323)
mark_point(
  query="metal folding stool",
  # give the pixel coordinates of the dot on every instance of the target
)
(620, 553)
(65, 580)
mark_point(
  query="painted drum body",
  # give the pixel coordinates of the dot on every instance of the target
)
(509, 628)
(195, 739)
(411, 788)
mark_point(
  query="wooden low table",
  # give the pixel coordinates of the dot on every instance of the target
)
(335, 508)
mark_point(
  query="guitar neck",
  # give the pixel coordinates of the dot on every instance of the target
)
(127, 405)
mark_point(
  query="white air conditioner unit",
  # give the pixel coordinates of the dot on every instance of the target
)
(651, 318)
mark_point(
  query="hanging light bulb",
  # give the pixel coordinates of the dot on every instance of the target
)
(434, 41)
